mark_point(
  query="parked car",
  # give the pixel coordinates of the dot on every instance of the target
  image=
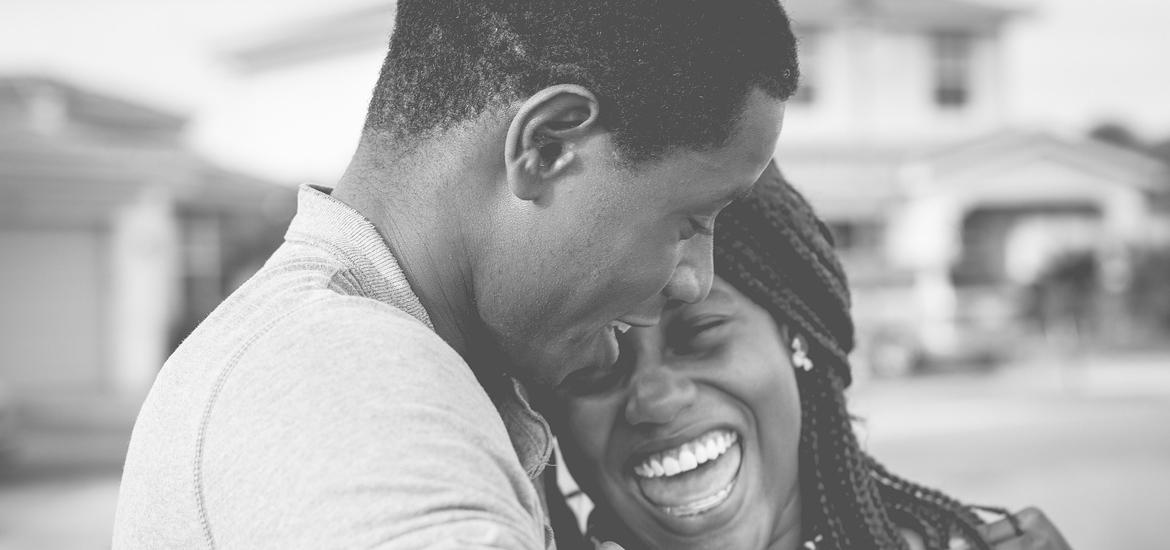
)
(893, 340)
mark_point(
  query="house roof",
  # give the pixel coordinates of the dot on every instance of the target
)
(22, 98)
(1009, 148)
(95, 151)
(845, 180)
(862, 181)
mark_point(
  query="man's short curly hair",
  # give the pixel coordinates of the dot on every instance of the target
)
(668, 73)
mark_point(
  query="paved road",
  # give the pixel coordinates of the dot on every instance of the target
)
(1092, 448)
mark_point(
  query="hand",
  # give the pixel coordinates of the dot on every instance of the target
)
(1036, 533)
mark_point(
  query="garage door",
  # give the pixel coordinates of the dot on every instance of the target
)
(52, 296)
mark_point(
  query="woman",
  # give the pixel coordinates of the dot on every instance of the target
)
(725, 426)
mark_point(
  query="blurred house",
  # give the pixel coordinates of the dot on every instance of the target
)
(944, 212)
(114, 240)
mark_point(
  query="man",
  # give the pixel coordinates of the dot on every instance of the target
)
(533, 177)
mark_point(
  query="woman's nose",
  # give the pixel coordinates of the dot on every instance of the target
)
(658, 396)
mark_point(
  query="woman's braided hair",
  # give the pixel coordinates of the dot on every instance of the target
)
(773, 249)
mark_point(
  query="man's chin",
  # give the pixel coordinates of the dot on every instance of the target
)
(538, 368)
(548, 365)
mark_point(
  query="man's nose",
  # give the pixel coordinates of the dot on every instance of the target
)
(658, 395)
(691, 280)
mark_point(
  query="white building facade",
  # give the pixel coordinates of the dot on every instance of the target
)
(943, 209)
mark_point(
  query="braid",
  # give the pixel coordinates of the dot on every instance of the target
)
(849, 515)
(951, 517)
(822, 517)
(858, 502)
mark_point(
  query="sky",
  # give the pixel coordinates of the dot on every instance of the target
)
(168, 53)
(1081, 62)
(1070, 63)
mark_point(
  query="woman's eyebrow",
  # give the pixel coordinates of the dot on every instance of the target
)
(717, 297)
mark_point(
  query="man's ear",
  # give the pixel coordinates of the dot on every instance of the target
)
(541, 139)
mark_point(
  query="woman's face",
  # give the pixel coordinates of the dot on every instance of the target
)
(694, 440)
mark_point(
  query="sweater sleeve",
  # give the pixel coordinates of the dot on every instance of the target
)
(357, 427)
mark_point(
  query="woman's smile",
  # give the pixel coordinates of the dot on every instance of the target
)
(692, 478)
(673, 432)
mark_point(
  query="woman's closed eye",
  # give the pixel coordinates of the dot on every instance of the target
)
(698, 334)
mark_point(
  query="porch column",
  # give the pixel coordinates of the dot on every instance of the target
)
(926, 240)
(143, 283)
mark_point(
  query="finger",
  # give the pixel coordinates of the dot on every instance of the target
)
(1032, 516)
(609, 546)
(1044, 534)
(1015, 524)
(1000, 531)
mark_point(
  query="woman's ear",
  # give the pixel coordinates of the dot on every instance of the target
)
(541, 139)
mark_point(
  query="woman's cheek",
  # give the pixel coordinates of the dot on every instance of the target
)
(584, 422)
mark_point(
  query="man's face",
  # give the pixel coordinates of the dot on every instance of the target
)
(610, 246)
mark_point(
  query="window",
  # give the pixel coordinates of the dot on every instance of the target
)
(809, 56)
(952, 69)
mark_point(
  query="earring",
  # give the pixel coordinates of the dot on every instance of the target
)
(800, 357)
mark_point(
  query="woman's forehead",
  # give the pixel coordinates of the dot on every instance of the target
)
(722, 295)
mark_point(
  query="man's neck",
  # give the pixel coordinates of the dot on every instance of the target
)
(426, 241)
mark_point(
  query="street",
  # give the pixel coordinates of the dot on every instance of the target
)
(1090, 447)
(1087, 443)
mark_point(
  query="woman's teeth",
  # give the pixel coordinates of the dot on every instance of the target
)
(693, 478)
(620, 327)
(688, 456)
(702, 505)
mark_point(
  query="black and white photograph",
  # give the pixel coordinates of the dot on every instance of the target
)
(585, 274)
